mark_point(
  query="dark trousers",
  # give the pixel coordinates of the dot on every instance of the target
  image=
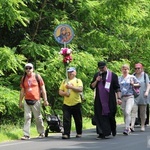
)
(106, 124)
(147, 112)
(68, 112)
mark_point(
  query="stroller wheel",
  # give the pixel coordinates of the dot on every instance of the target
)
(46, 132)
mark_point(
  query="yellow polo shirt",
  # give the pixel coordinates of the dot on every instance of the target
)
(74, 97)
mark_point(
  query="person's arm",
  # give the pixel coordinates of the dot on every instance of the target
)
(44, 95)
(21, 98)
(134, 82)
(117, 89)
(95, 80)
(118, 97)
(147, 86)
(93, 85)
(77, 87)
(62, 93)
(74, 88)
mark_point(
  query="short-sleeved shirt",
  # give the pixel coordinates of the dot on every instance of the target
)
(74, 97)
(125, 84)
(31, 87)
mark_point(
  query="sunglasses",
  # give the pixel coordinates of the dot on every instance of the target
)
(28, 68)
(137, 68)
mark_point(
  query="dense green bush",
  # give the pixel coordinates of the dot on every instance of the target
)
(9, 110)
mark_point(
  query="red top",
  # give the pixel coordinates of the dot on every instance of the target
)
(31, 87)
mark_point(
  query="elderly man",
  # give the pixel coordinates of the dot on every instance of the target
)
(31, 86)
(107, 88)
(71, 90)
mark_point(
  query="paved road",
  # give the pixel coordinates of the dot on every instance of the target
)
(135, 141)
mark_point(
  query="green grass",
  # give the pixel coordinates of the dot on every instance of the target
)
(12, 132)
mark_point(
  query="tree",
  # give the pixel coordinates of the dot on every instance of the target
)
(111, 30)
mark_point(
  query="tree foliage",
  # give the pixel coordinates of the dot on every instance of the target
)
(111, 30)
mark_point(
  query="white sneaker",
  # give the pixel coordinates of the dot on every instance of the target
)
(142, 129)
(41, 136)
(25, 137)
(126, 132)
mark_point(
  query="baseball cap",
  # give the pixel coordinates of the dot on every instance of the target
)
(101, 64)
(29, 65)
(71, 69)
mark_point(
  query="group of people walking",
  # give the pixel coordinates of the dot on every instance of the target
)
(110, 90)
(110, 87)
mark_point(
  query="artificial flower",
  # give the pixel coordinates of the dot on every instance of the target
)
(66, 52)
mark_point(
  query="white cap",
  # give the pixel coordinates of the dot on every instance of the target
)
(71, 69)
(29, 65)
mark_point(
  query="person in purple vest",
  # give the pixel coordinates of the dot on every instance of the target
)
(107, 96)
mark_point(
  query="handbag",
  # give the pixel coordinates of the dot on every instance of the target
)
(136, 91)
(93, 121)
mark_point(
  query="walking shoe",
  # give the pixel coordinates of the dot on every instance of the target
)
(132, 129)
(78, 136)
(126, 132)
(41, 136)
(65, 136)
(113, 132)
(101, 136)
(142, 129)
(25, 137)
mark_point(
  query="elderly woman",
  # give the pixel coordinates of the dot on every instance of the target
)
(127, 82)
(142, 100)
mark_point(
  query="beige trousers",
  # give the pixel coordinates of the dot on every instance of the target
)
(127, 105)
(35, 109)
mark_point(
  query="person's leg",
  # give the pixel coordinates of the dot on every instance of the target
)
(113, 124)
(66, 120)
(36, 109)
(147, 114)
(134, 113)
(129, 106)
(77, 115)
(97, 113)
(27, 118)
(142, 116)
(123, 107)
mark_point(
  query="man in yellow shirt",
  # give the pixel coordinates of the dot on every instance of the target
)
(71, 91)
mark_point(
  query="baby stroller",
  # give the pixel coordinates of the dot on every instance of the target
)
(54, 123)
